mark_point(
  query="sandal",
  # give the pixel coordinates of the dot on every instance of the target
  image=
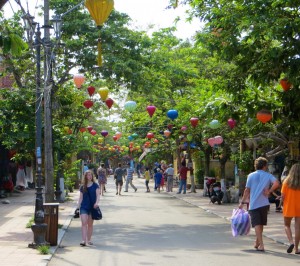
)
(82, 244)
(90, 243)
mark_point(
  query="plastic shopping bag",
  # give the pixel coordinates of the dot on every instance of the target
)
(240, 222)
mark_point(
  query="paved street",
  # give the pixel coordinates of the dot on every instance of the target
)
(158, 229)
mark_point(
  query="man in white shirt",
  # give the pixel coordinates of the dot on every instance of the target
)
(170, 175)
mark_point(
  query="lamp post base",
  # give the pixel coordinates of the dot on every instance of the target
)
(39, 233)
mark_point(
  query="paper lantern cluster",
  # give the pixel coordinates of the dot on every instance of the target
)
(215, 141)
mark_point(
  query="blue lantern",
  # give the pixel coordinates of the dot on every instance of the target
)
(130, 138)
(172, 114)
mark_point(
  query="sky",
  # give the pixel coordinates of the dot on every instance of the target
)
(142, 12)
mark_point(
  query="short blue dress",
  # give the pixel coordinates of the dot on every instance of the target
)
(89, 198)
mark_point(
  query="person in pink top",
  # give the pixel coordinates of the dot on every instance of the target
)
(290, 193)
(182, 177)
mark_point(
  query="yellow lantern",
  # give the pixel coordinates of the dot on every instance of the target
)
(100, 140)
(103, 92)
(99, 10)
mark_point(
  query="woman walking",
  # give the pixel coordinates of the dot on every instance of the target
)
(290, 193)
(88, 199)
(102, 178)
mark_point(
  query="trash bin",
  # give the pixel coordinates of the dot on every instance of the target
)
(51, 219)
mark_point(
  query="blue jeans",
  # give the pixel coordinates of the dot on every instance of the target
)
(182, 184)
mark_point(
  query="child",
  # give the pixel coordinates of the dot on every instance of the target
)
(147, 179)
(158, 177)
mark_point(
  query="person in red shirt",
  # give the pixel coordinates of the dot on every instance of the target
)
(182, 177)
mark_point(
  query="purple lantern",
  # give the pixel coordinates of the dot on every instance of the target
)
(104, 133)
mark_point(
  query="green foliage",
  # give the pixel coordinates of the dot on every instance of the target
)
(43, 249)
(70, 171)
(199, 176)
(30, 222)
(245, 161)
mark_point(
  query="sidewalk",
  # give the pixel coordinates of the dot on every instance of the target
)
(15, 237)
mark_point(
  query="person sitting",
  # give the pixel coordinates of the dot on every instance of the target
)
(275, 197)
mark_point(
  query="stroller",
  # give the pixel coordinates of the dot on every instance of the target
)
(216, 193)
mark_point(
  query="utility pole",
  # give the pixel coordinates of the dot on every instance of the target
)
(49, 168)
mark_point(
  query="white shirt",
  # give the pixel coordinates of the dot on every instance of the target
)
(170, 171)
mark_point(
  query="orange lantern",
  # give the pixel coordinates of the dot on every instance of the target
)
(167, 133)
(264, 116)
(78, 80)
(82, 129)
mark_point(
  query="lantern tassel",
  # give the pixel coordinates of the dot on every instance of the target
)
(99, 59)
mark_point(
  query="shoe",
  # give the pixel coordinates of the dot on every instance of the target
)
(90, 243)
(290, 248)
(278, 209)
(135, 190)
(117, 193)
(178, 193)
(184, 192)
(297, 253)
(125, 190)
(82, 244)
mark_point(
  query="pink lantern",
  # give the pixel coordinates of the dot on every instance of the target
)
(231, 123)
(78, 80)
(211, 142)
(183, 128)
(104, 133)
(91, 90)
(167, 133)
(151, 110)
(194, 121)
(88, 104)
(218, 140)
(150, 135)
(93, 132)
(109, 102)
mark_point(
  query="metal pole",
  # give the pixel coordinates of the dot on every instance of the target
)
(39, 227)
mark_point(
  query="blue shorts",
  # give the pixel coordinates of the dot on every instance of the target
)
(84, 211)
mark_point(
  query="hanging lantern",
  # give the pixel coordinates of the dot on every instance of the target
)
(134, 135)
(109, 102)
(285, 85)
(189, 137)
(91, 90)
(150, 135)
(99, 10)
(264, 116)
(115, 138)
(88, 104)
(130, 106)
(156, 141)
(130, 138)
(151, 110)
(89, 128)
(86, 137)
(70, 131)
(214, 124)
(119, 135)
(231, 123)
(170, 126)
(194, 121)
(172, 114)
(104, 133)
(93, 132)
(183, 128)
(218, 140)
(78, 80)
(66, 129)
(167, 133)
(100, 140)
(82, 129)
(103, 92)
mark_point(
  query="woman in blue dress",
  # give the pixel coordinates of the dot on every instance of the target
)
(88, 199)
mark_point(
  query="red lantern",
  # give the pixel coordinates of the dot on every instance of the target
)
(285, 84)
(194, 121)
(91, 90)
(151, 110)
(170, 126)
(150, 135)
(115, 138)
(78, 80)
(109, 102)
(89, 128)
(88, 104)
(231, 123)
(155, 140)
(82, 129)
(264, 116)
(93, 132)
